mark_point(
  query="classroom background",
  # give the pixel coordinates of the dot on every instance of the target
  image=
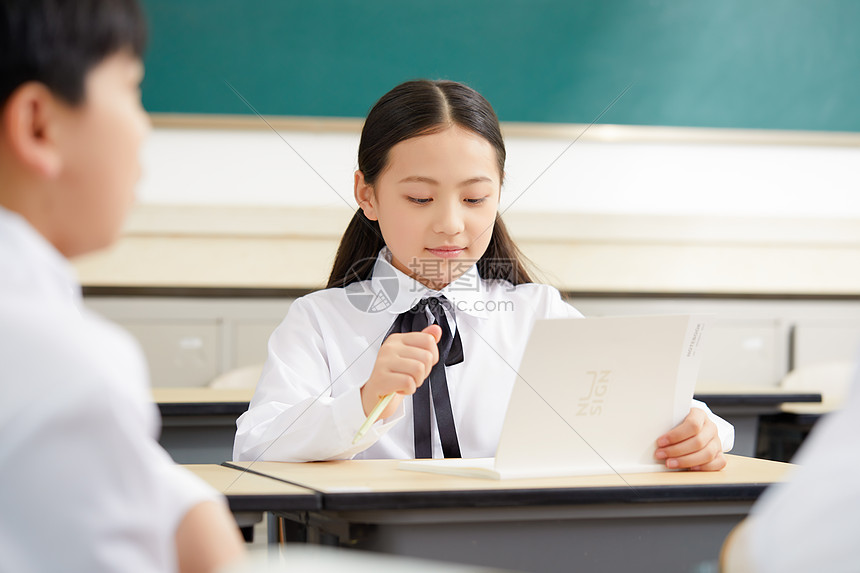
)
(663, 156)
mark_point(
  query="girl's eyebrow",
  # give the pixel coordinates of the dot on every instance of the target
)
(419, 179)
(431, 181)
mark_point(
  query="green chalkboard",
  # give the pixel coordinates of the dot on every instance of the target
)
(770, 64)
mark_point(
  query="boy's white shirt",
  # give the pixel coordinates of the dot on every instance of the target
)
(809, 523)
(86, 487)
(307, 405)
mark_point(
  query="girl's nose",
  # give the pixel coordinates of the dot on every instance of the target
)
(449, 220)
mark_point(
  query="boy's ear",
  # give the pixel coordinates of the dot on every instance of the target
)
(29, 122)
(364, 196)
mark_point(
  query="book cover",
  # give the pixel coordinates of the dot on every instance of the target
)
(591, 397)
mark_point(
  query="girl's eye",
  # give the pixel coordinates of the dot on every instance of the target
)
(419, 200)
(476, 201)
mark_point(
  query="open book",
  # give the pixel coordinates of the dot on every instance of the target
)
(592, 397)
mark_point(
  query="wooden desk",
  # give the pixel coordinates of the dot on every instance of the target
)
(202, 401)
(249, 492)
(669, 521)
(250, 495)
(199, 424)
(742, 406)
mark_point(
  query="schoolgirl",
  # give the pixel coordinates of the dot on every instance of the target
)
(428, 299)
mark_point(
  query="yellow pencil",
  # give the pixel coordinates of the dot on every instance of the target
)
(372, 417)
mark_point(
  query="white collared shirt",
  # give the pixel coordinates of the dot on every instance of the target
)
(85, 485)
(307, 405)
(811, 521)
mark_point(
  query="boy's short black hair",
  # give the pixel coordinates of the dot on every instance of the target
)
(57, 42)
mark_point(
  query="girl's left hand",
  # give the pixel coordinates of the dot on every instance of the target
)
(693, 444)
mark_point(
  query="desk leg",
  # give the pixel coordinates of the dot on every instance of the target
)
(301, 527)
(246, 521)
(746, 433)
(273, 526)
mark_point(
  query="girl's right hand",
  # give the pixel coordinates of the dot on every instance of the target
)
(403, 363)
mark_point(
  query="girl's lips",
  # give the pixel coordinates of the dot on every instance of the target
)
(447, 252)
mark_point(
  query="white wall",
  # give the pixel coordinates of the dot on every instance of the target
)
(625, 209)
(260, 168)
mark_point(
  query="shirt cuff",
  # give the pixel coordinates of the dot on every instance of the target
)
(349, 416)
(725, 430)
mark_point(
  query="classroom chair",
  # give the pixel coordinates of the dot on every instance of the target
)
(781, 435)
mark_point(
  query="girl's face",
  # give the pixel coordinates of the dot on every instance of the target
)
(436, 203)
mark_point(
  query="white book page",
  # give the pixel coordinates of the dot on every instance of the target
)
(594, 395)
(467, 467)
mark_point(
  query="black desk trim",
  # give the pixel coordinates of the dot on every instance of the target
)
(262, 502)
(757, 399)
(197, 292)
(272, 502)
(295, 292)
(356, 501)
(202, 408)
(239, 408)
(540, 497)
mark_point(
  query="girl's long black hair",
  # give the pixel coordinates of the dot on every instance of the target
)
(413, 108)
